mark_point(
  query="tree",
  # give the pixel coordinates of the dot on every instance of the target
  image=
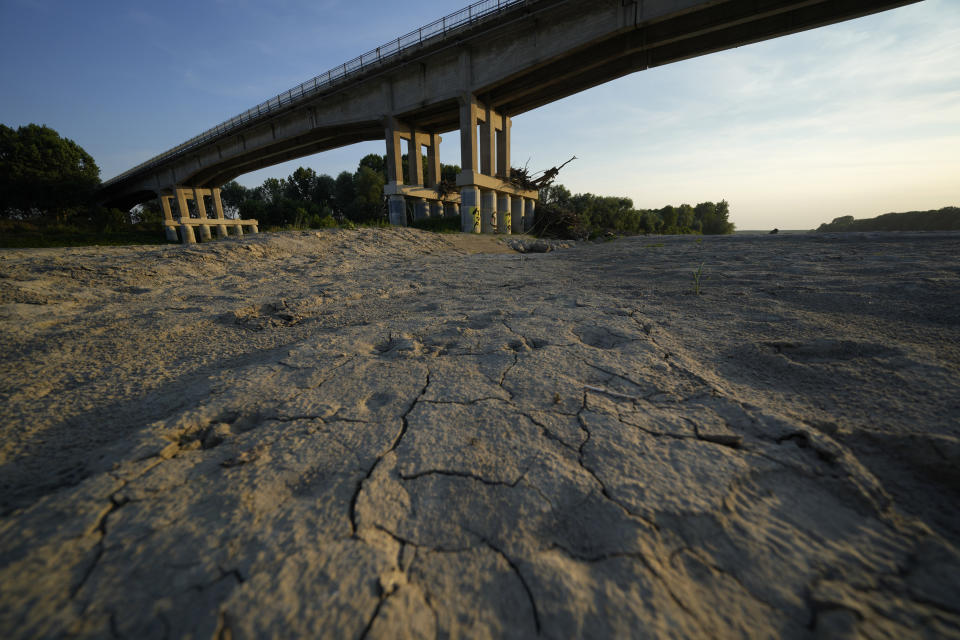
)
(556, 194)
(232, 196)
(344, 193)
(43, 174)
(713, 218)
(272, 190)
(670, 217)
(301, 184)
(368, 187)
(375, 162)
(324, 191)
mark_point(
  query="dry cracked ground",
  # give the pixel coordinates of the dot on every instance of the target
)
(389, 433)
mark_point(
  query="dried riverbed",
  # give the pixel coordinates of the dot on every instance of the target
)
(388, 432)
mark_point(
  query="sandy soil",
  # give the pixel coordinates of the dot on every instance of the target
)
(389, 433)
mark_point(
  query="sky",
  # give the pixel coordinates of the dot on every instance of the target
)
(859, 118)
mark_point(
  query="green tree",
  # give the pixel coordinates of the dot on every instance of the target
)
(43, 174)
(301, 184)
(232, 196)
(324, 191)
(368, 201)
(375, 162)
(685, 218)
(555, 194)
(670, 217)
(272, 190)
(344, 193)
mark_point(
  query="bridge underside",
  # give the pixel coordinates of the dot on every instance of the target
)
(507, 65)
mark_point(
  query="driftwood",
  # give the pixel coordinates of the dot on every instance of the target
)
(523, 178)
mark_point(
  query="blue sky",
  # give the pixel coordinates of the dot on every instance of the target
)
(858, 118)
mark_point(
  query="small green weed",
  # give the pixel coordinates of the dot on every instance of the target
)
(697, 279)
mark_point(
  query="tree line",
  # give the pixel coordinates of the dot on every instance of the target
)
(945, 219)
(585, 215)
(49, 182)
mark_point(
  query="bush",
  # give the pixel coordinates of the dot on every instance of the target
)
(438, 225)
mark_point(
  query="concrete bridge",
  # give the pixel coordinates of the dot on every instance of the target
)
(471, 72)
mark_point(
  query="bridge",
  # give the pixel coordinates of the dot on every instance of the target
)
(471, 72)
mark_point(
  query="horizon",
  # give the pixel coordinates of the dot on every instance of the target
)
(855, 119)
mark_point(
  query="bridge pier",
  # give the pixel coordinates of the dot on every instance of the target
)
(185, 222)
(422, 190)
(486, 202)
(485, 168)
(504, 215)
(469, 209)
(516, 215)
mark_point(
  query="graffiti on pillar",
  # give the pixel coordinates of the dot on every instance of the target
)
(476, 219)
(507, 222)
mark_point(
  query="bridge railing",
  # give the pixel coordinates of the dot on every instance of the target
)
(435, 31)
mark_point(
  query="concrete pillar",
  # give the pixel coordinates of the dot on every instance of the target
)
(436, 209)
(394, 131)
(239, 228)
(198, 199)
(451, 209)
(397, 208)
(529, 213)
(254, 229)
(516, 211)
(421, 210)
(186, 234)
(169, 226)
(488, 144)
(415, 159)
(202, 210)
(218, 212)
(488, 211)
(433, 161)
(184, 209)
(470, 209)
(503, 149)
(503, 213)
(469, 151)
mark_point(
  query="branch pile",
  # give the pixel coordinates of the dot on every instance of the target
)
(525, 180)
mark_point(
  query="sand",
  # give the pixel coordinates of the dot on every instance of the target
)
(389, 433)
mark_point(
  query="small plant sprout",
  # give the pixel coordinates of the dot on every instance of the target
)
(697, 279)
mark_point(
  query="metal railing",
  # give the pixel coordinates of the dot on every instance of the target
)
(436, 31)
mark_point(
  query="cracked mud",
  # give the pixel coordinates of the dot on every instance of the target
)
(387, 433)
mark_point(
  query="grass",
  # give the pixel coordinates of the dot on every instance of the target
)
(41, 238)
(697, 279)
